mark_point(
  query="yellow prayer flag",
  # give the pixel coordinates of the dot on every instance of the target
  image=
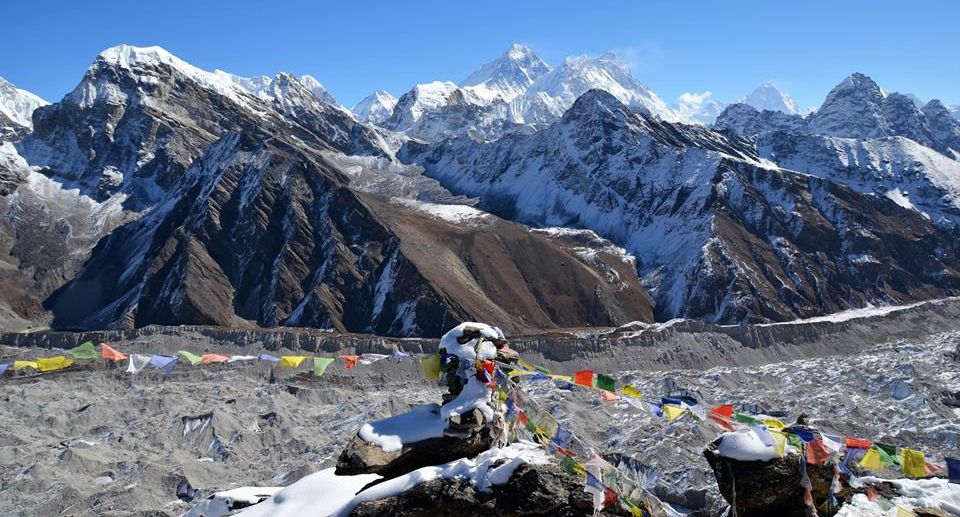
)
(50, 364)
(430, 367)
(562, 377)
(903, 512)
(630, 391)
(872, 461)
(636, 511)
(292, 361)
(672, 412)
(20, 365)
(780, 442)
(773, 423)
(913, 463)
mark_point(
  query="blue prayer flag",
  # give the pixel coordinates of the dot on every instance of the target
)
(3, 367)
(562, 437)
(671, 400)
(593, 482)
(953, 470)
(655, 409)
(164, 363)
(764, 436)
(268, 357)
(852, 455)
(803, 433)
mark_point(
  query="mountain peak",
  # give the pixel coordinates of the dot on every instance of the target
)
(507, 76)
(376, 107)
(768, 97)
(17, 105)
(128, 55)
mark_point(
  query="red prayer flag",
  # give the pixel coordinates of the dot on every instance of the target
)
(213, 358)
(817, 453)
(724, 411)
(606, 396)
(871, 493)
(521, 418)
(485, 372)
(583, 378)
(857, 443)
(109, 353)
(350, 361)
(610, 497)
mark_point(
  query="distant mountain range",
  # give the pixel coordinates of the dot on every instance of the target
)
(527, 195)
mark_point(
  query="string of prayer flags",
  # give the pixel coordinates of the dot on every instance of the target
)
(630, 391)
(85, 351)
(51, 364)
(606, 382)
(213, 358)
(583, 378)
(164, 363)
(673, 412)
(350, 361)
(190, 357)
(913, 463)
(320, 365)
(137, 363)
(109, 353)
(292, 361)
(430, 367)
(3, 367)
(269, 358)
(953, 470)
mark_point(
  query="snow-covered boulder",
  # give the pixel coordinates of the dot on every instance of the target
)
(402, 443)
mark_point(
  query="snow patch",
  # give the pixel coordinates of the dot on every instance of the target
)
(391, 434)
(744, 445)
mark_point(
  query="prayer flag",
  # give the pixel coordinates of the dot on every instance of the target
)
(724, 411)
(583, 378)
(109, 353)
(137, 362)
(763, 435)
(673, 412)
(745, 418)
(780, 444)
(903, 512)
(655, 408)
(565, 378)
(671, 400)
(913, 463)
(953, 470)
(857, 443)
(562, 437)
(235, 358)
(164, 363)
(817, 453)
(213, 358)
(320, 365)
(871, 460)
(400, 355)
(86, 351)
(607, 396)
(630, 391)
(852, 455)
(832, 442)
(50, 364)
(372, 358)
(569, 465)
(292, 361)
(803, 433)
(888, 453)
(610, 497)
(191, 358)
(350, 361)
(20, 365)
(773, 423)
(269, 358)
(430, 367)
(3, 368)
(606, 382)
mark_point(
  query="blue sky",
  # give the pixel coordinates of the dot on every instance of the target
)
(355, 47)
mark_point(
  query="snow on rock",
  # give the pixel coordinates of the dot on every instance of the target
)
(225, 503)
(744, 445)
(326, 494)
(420, 423)
(508, 76)
(375, 108)
(934, 493)
(453, 213)
(769, 97)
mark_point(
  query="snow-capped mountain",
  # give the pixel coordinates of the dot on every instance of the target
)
(375, 108)
(552, 94)
(718, 233)
(955, 110)
(318, 89)
(508, 76)
(769, 97)
(699, 108)
(16, 105)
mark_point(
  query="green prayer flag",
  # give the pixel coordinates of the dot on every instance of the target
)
(320, 365)
(606, 382)
(888, 454)
(541, 369)
(84, 351)
(794, 440)
(746, 419)
(569, 465)
(190, 357)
